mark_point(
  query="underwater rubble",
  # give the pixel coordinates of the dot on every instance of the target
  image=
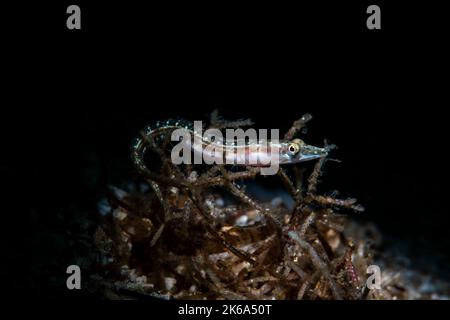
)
(199, 235)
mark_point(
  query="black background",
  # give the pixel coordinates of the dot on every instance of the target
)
(74, 100)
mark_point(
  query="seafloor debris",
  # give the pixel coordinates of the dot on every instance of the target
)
(184, 237)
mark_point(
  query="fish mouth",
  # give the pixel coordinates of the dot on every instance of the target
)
(311, 153)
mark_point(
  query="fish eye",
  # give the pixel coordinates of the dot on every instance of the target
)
(293, 148)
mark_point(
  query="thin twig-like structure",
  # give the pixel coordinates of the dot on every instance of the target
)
(196, 244)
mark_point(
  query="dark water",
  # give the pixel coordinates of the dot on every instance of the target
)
(77, 102)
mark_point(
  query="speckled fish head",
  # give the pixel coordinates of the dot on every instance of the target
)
(297, 150)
